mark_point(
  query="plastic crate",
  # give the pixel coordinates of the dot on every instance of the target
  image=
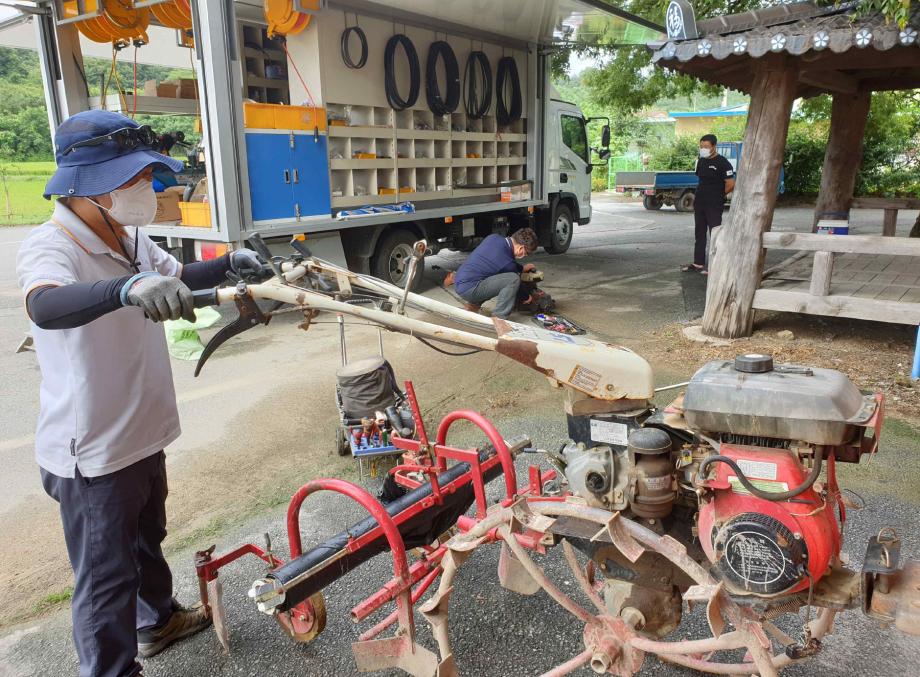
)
(279, 116)
(259, 115)
(195, 214)
(299, 117)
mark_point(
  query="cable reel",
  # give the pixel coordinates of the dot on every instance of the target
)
(115, 21)
(284, 19)
(173, 14)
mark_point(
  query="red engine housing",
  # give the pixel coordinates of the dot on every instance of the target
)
(765, 547)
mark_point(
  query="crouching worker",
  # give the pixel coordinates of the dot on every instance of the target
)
(492, 271)
(96, 289)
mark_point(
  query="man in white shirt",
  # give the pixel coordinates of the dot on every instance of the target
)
(95, 289)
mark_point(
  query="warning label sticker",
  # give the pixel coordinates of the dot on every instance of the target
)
(763, 485)
(584, 378)
(609, 432)
(658, 483)
(761, 470)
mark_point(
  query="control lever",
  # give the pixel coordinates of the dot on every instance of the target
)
(262, 250)
(250, 316)
(418, 253)
(298, 242)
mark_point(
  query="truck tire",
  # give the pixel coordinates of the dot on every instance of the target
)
(561, 228)
(685, 201)
(652, 202)
(390, 262)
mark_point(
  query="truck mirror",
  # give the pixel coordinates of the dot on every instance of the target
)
(605, 136)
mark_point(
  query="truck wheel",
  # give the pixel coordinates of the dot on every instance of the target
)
(561, 229)
(391, 260)
(652, 202)
(685, 202)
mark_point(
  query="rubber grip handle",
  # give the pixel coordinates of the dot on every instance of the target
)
(205, 297)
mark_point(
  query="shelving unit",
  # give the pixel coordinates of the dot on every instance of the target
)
(264, 66)
(417, 155)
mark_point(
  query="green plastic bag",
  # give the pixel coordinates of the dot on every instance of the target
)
(182, 336)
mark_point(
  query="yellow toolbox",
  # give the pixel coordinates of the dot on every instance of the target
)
(195, 214)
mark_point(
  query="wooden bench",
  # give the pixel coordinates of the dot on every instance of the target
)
(891, 207)
(880, 280)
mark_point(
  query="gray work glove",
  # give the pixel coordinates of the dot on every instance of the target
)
(246, 263)
(160, 297)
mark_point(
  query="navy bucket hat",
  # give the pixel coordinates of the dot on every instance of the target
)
(100, 168)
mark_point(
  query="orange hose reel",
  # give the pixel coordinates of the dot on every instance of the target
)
(283, 19)
(117, 20)
(174, 14)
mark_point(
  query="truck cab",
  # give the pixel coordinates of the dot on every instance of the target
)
(568, 171)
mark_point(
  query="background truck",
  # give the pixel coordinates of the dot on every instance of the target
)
(673, 187)
(449, 132)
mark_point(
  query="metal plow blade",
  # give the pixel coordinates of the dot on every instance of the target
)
(219, 613)
(395, 652)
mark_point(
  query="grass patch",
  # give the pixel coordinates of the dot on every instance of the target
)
(21, 203)
(29, 168)
(54, 599)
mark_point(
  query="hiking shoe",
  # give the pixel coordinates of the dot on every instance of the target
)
(472, 307)
(185, 621)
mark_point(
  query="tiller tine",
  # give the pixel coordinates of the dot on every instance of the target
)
(396, 652)
(513, 576)
(250, 316)
(219, 612)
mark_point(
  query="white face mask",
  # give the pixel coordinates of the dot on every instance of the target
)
(135, 205)
(704, 153)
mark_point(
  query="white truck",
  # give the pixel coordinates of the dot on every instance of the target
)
(393, 135)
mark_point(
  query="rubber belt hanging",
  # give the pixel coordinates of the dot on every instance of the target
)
(507, 70)
(389, 65)
(442, 105)
(477, 71)
(346, 52)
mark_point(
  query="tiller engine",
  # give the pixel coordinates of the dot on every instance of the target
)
(727, 498)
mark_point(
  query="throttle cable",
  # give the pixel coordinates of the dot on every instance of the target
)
(477, 71)
(346, 50)
(507, 71)
(442, 105)
(389, 64)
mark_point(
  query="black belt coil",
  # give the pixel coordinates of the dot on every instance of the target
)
(507, 71)
(389, 65)
(346, 52)
(442, 105)
(476, 99)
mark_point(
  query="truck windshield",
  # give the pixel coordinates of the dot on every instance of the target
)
(574, 136)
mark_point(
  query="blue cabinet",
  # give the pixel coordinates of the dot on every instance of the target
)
(288, 175)
(310, 175)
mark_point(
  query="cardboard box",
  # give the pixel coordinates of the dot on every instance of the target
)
(150, 88)
(167, 90)
(168, 205)
(188, 88)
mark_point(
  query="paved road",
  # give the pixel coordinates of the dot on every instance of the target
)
(264, 403)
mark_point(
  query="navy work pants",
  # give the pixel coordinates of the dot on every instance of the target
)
(707, 214)
(113, 526)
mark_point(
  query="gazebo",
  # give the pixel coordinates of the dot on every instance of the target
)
(777, 55)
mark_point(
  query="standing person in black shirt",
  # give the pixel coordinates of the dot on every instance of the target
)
(717, 179)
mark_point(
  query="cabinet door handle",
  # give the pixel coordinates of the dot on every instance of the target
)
(287, 175)
(296, 176)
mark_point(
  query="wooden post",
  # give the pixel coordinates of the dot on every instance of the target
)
(890, 224)
(821, 273)
(849, 113)
(735, 269)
